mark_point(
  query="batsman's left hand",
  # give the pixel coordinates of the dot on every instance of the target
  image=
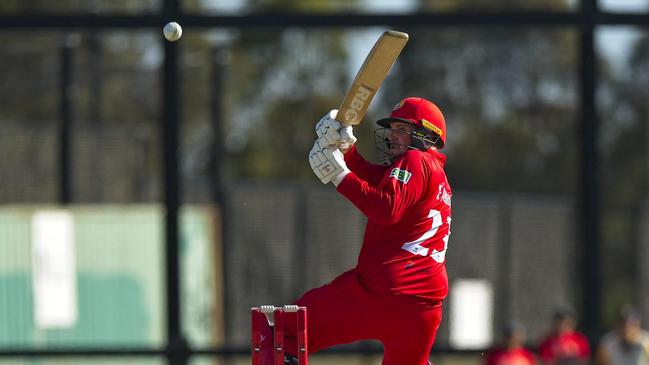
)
(331, 133)
(328, 163)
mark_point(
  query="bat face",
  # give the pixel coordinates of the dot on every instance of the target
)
(370, 77)
(358, 104)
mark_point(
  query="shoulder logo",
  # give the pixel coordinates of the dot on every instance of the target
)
(401, 175)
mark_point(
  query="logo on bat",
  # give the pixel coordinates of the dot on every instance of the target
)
(358, 103)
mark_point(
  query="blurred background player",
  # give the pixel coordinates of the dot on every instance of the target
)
(627, 344)
(564, 344)
(510, 350)
(395, 292)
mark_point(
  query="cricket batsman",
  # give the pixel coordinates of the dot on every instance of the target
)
(395, 292)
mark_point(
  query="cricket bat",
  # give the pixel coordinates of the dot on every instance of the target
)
(370, 77)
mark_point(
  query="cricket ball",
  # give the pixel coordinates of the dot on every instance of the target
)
(172, 31)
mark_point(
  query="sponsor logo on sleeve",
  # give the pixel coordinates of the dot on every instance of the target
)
(401, 175)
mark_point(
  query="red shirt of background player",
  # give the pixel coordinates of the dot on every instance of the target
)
(564, 347)
(518, 356)
(511, 351)
(564, 344)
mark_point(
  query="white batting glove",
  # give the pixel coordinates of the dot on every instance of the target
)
(328, 163)
(331, 133)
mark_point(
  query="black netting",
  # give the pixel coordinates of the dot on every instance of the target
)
(28, 156)
(334, 233)
(107, 164)
(543, 262)
(260, 245)
(113, 164)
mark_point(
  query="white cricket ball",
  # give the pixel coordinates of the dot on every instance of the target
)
(172, 31)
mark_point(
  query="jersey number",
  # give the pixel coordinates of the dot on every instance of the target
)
(415, 246)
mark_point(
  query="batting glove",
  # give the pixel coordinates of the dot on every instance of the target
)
(328, 163)
(331, 133)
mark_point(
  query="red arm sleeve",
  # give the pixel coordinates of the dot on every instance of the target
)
(364, 170)
(389, 200)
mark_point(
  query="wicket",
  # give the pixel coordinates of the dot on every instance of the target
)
(279, 314)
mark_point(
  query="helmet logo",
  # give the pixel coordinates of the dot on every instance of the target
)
(430, 126)
(399, 105)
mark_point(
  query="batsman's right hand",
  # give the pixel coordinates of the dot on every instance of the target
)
(331, 133)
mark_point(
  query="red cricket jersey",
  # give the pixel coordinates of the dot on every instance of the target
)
(563, 347)
(518, 356)
(408, 207)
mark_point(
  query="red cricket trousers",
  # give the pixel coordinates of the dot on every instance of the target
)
(346, 311)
